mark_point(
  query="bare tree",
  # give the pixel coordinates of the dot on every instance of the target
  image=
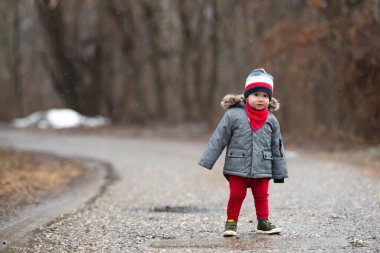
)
(214, 76)
(151, 15)
(75, 78)
(11, 99)
(192, 56)
(122, 14)
(16, 59)
(184, 57)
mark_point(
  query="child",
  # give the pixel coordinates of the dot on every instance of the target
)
(255, 152)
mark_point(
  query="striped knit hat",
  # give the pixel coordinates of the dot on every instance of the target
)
(259, 80)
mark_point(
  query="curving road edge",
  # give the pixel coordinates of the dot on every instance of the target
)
(97, 177)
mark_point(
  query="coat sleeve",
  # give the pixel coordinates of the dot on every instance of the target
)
(217, 142)
(279, 166)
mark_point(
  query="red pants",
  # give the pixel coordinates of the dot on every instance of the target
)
(238, 191)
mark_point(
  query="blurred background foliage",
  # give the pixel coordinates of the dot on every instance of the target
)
(168, 61)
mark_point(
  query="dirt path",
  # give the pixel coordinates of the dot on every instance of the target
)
(165, 202)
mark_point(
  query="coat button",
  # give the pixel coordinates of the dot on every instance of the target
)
(243, 154)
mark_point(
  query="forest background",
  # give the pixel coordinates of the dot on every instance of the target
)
(170, 61)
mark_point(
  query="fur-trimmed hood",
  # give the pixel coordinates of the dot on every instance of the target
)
(232, 100)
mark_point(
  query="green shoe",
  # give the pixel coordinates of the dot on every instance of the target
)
(266, 227)
(231, 227)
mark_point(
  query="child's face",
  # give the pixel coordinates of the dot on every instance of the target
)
(258, 100)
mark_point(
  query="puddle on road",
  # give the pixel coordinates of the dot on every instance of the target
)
(256, 242)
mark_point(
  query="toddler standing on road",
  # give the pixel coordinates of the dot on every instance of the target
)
(255, 151)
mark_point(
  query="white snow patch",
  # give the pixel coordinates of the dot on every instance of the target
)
(59, 119)
(63, 118)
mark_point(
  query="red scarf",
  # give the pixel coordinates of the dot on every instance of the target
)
(256, 118)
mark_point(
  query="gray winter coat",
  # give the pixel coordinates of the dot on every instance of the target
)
(259, 154)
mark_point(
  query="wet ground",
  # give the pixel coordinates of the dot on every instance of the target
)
(164, 202)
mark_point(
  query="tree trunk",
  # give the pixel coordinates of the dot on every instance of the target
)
(184, 60)
(69, 73)
(16, 60)
(214, 81)
(65, 77)
(197, 58)
(124, 21)
(153, 31)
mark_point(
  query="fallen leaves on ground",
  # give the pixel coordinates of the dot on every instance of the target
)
(28, 178)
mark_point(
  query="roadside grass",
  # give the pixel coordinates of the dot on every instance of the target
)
(28, 178)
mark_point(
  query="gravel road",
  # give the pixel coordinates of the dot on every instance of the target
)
(164, 202)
